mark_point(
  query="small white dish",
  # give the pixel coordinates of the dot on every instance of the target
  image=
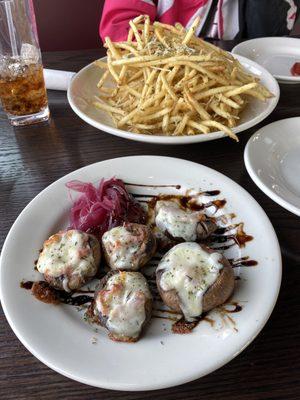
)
(272, 159)
(83, 88)
(276, 54)
(58, 336)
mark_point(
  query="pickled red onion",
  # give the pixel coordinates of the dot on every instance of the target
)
(101, 208)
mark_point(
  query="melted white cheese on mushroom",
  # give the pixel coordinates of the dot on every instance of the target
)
(189, 270)
(67, 252)
(177, 222)
(122, 250)
(122, 301)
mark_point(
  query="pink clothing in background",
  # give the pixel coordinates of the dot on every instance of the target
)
(117, 13)
(219, 19)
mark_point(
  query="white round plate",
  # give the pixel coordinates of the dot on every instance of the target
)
(83, 88)
(276, 54)
(272, 158)
(58, 336)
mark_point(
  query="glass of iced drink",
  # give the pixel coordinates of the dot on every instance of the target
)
(22, 87)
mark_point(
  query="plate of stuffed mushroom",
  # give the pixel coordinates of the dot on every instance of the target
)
(140, 273)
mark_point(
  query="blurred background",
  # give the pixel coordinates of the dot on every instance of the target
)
(73, 24)
(68, 24)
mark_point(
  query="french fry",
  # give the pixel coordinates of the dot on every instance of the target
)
(201, 86)
(229, 102)
(196, 106)
(146, 29)
(168, 87)
(111, 69)
(128, 117)
(151, 60)
(164, 80)
(130, 36)
(107, 107)
(214, 91)
(167, 27)
(110, 45)
(156, 114)
(221, 127)
(218, 110)
(160, 37)
(149, 126)
(165, 122)
(200, 127)
(136, 34)
(133, 91)
(240, 90)
(190, 33)
(173, 73)
(180, 127)
(178, 26)
(135, 76)
(126, 46)
(238, 99)
(148, 82)
(102, 80)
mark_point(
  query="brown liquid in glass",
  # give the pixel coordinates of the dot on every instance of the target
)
(24, 93)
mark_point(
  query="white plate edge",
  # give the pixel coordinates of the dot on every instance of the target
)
(171, 383)
(265, 189)
(280, 78)
(181, 139)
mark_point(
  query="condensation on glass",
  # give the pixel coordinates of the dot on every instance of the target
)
(22, 87)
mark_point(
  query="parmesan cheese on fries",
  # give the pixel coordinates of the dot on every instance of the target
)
(166, 81)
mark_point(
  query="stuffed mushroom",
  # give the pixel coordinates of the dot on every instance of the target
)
(192, 278)
(128, 247)
(123, 304)
(180, 224)
(69, 259)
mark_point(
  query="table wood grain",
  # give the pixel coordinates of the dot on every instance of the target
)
(33, 157)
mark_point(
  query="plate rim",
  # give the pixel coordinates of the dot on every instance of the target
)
(280, 78)
(170, 383)
(256, 179)
(176, 140)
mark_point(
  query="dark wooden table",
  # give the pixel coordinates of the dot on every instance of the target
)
(33, 157)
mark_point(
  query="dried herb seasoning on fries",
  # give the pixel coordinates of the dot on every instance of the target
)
(166, 81)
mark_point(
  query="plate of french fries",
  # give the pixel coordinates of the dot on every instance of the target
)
(165, 85)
